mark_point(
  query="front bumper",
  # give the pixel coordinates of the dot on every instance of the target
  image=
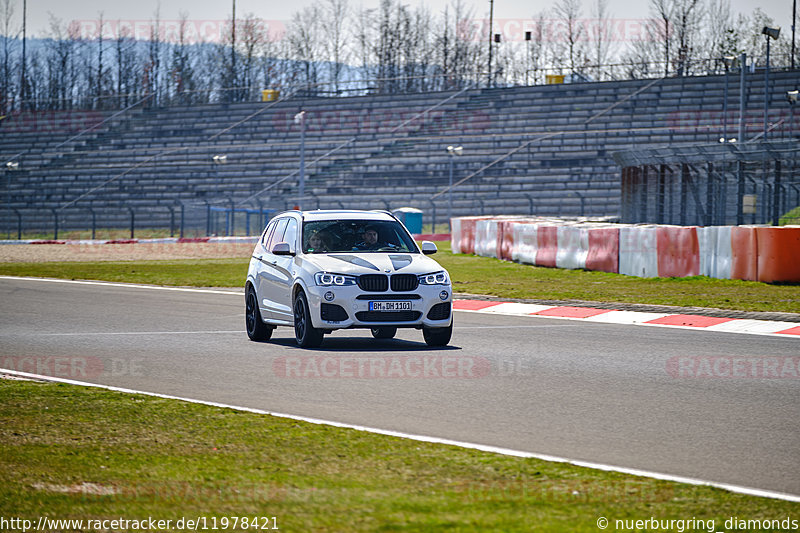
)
(355, 304)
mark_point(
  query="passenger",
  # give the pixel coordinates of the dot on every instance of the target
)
(317, 243)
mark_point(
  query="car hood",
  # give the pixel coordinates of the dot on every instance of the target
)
(355, 263)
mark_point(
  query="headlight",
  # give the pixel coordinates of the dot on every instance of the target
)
(326, 279)
(437, 278)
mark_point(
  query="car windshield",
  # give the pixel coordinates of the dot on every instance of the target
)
(322, 236)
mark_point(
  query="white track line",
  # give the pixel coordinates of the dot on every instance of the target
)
(436, 440)
(125, 285)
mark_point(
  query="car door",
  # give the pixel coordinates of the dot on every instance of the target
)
(282, 278)
(266, 270)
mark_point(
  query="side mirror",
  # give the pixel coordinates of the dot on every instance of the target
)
(282, 248)
(429, 248)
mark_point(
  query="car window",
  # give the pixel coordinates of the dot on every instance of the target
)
(321, 236)
(277, 235)
(290, 235)
(268, 233)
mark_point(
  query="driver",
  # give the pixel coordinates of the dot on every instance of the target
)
(370, 240)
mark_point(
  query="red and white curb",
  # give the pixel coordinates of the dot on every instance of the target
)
(611, 316)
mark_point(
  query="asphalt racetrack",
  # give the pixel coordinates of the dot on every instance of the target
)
(594, 392)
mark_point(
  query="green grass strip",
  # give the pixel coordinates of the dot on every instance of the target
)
(86, 453)
(470, 274)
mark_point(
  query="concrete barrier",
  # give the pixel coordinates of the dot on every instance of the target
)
(486, 238)
(778, 254)
(603, 250)
(638, 252)
(744, 253)
(547, 252)
(716, 253)
(572, 247)
(768, 254)
(677, 251)
(526, 242)
(505, 239)
(455, 235)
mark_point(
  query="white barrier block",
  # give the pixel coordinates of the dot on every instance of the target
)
(573, 247)
(486, 238)
(455, 235)
(638, 251)
(716, 253)
(525, 243)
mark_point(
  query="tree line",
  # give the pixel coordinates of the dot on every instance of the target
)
(333, 49)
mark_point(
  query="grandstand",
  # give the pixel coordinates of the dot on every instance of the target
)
(544, 150)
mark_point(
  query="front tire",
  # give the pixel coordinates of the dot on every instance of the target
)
(306, 335)
(384, 332)
(437, 336)
(256, 329)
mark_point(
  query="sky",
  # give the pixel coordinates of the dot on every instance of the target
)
(210, 13)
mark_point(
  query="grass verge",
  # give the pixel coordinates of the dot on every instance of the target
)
(85, 453)
(470, 274)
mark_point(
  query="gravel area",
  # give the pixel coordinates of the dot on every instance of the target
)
(34, 253)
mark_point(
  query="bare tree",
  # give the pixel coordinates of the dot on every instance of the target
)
(569, 14)
(7, 90)
(304, 42)
(181, 71)
(687, 24)
(335, 14)
(601, 36)
(125, 58)
(58, 84)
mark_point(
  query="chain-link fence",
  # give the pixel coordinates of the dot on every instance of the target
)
(729, 183)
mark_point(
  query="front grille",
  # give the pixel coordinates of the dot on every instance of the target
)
(388, 297)
(388, 316)
(373, 283)
(332, 312)
(404, 282)
(439, 311)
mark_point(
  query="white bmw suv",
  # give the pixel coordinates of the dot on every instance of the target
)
(319, 271)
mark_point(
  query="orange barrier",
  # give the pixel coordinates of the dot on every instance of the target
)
(678, 252)
(744, 253)
(468, 235)
(548, 246)
(505, 240)
(778, 254)
(603, 250)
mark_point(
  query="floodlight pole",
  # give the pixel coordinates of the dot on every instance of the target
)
(766, 90)
(725, 108)
(742, 94)
(794, 18)
(491, 30)
(300, 118)
(22, 85)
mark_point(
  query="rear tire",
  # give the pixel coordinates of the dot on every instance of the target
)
(256, 329)
(384, 332)
(306, 335)
(437, 336)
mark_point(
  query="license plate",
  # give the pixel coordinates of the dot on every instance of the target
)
(390, 306)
